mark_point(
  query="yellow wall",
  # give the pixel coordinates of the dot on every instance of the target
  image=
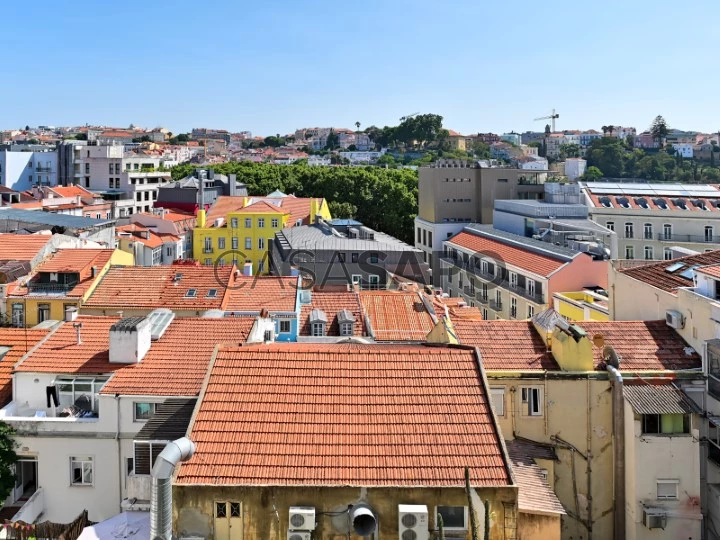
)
(226, 254)
(59, 304)
(566, 304)
(265, 510)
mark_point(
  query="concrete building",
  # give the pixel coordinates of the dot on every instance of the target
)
(21, 221)
(186, 194)
(452, 194)
(343, 252)
(652, 218)
(21, 170)
(512, 138)
(684, 149)
(575, 168)
(387, 467)
(510, 276)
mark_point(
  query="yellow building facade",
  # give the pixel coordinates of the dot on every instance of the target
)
(582, 306)
(241, 230)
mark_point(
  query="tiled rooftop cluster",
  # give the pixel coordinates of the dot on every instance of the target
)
(668, 276)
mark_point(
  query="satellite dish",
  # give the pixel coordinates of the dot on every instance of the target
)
(610, 357)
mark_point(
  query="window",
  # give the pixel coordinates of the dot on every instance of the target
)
(208, 262)
(248, 243)
(424, 237)
(191, 293)
(81, 471)
(208, 245)
(513, 307)
(648, 231)
(318, 329)
(221, 243)
(530, 312)
(212, 293)
(374, 282)
(284, 327)
(261, 243)
(665, 424)
(484, 291)
(373, 257)
(87, 168)
(485, 314)
(513, 279)
(667, 489)
(429, 244)
(143, 411)
(498, 299)
(341, 257)
(418, 240)
(497, 393)
(81, 393)
(708, 233)
(530, 397)
(454, 517)
(484, 267)
(531, 287)
(261, 223)
(234, 242)
(629, 230)
(610, 225)
(274, 223)
(629, 252)
(112, 183)
(648, 253)
(346, 329)
(110, 166)
(233, 223)
(667, 231)
(354, 257)
(248, 223)
(117, 168)
(667, 254)
(43, 312)
(145, 455)
(87, 181)
(261, 265)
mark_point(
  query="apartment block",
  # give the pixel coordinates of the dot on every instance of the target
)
(23, 169)
(452, 194)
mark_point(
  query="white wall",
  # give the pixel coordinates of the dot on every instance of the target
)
(18, 170)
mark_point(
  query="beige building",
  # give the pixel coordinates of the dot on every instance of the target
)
(452, 194)
(650, 219)
(552, 388)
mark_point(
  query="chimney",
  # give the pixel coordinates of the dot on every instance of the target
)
(232, 181)
(78, 327)
(70, 314)
(247, 269)
(200, 175)
(130, 340)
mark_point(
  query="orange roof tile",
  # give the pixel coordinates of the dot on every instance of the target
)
(73, 191)
(22, 247)
(344, 415)
(154, 239)
(262, 207)
(506, 345)
(177, 363)
(298, 208)
(712, 270)
(532, 262)
(396, 315)
(27, 205)
(331, 303)
(656, 274)
(252, 294)
(153, 287)
(20, 341)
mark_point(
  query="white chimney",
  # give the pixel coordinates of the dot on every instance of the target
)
(247, 269)
(263, 330)
(70, 314)
(130, 340)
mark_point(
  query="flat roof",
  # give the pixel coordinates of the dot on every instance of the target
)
(51, 219)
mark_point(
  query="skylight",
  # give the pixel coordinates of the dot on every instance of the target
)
(212, 293)
(689, 273)
(160, 319)
(191, 293)
(675, 267)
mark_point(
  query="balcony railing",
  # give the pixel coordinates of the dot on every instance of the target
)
(45, 287)
(482, 298)
(694, 238)
(43, 169)
(497, 306)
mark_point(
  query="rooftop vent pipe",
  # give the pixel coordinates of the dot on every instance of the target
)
(161, 491)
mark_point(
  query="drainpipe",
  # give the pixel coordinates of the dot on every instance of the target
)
(618, 425)
(161, 495)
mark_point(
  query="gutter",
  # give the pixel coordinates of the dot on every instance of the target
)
(618, 424)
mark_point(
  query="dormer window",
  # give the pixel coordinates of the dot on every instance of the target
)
(318, 323)
(346, 321)
(191, 293)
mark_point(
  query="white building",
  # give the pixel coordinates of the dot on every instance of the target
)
(652, 218)
(22, 170)
(684, 149)
(512, 138)
(79, 415)
(575, 167)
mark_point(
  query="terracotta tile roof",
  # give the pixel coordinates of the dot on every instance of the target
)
(457, 308)
(396, 315)
(331, 303)
(712, 270)
(177, 363)
(20, 341)
(153, 287)
(507, 345)
(262, 207)
(27, 205)
(534, 495)
(252, 294)
(532, 262)
(60, 353)
(650, 201)
(21, 247)
(73, 191)
(154, 240)
(642, 345)
(656, 274)
(647, 398)
(222, 206)
(344, 415)
(299, 208)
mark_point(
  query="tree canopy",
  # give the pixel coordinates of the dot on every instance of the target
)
(659, 129)
(8, 458)
(383, 199)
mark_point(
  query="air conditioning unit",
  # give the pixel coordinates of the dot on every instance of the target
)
(299, 535)
(654, 519)
(302, 518)
(413, 522)
(674, 319)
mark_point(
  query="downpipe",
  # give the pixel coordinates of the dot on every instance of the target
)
(161, 491)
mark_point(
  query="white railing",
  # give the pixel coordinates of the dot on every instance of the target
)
(32, 509)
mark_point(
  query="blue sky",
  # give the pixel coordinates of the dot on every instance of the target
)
(271, 67)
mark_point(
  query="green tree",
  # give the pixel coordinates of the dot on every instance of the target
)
(183, 137)
(592, 173)
(569, 150)
(711, 174)
(607, 154)
(357, 125)
(386, 159)
(33, 141)
(481, 150)
(8, 458)
(659, 129)
(342, 210)
(144, 138)
(333, 141)
(630, 140)
(352, 148)
(81, 137)
(274, 141)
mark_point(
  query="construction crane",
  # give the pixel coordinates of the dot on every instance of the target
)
(552, 118)
(403, 118)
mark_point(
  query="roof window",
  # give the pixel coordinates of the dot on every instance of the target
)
(191, 293)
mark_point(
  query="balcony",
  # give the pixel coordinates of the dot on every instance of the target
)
(208, 250)
(482, 298)
(43, 169)
(496, 305)
(689, 238)
(51, 288)
(32, 509)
